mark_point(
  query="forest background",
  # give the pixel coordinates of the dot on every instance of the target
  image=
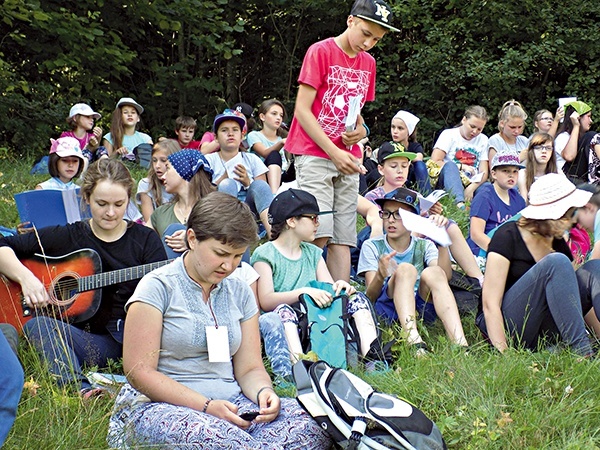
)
(196, 57)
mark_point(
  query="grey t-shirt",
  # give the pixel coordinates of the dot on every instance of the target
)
(183, 353)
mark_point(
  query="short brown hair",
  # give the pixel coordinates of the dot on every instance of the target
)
(184, 121)
(223, 217)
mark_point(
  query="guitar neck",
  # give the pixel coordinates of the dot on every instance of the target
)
(101, 280)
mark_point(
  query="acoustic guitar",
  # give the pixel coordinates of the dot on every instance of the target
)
(73, 282)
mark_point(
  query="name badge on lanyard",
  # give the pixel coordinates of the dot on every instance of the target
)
(217, 341)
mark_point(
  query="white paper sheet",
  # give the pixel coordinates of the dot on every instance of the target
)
(427, 202)
(426, 227)
(353, 112)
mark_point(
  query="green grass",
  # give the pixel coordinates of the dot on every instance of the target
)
(480, 400)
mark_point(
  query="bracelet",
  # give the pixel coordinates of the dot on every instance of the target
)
(260, 390)
(206, 403)
(367, 128)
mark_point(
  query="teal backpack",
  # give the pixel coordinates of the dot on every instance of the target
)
(331, 333)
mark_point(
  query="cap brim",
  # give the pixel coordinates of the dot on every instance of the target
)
(137, 106)
(381, 201)
(556, 210)
(382, 24)
(520, 166)
(408, 155)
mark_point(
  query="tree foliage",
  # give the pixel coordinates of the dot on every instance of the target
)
(198, 56)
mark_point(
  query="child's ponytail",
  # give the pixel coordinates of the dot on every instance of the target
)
(511, 109)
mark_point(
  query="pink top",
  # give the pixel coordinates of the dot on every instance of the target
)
(336, 77)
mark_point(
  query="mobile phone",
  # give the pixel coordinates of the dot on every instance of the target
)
(249, 415)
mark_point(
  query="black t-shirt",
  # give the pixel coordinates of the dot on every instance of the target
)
(508, 242)
(139, 245)
(577, 170)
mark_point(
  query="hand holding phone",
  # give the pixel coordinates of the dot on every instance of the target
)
(249, 416)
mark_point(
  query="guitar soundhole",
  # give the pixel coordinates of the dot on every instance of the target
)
(64, 289)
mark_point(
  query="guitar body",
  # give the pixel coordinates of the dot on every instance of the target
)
(61, 276)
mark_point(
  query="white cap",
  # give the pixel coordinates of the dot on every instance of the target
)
(128, 101)
(84, 110)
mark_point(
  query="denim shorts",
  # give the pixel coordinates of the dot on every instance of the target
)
(384, 307)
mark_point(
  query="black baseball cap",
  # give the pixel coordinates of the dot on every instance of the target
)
(376, 11)
(245, 109)
(389, 150)
(293, 203)
(402, 195)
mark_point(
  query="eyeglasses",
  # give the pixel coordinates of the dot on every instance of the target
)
(386, 214)
(540, 148)
(313, 217)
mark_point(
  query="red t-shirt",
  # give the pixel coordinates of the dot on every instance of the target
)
(336, 77)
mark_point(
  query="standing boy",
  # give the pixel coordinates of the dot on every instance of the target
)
(405, 274)
(328, 158)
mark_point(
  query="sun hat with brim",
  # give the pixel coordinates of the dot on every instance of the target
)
(581, 107)
(84, 110)
(401, 195)
(506, 159)
(293, 203)
(551, 196)
(128, 101)
(376, 11)
(389, 150)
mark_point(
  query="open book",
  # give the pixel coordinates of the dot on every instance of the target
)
(47, 207)
(427, 202)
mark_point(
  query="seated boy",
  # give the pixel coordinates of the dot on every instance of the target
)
(237, 172)
(405, 274)
(185, 128)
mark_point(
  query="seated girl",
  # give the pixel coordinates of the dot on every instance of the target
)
(124, 136)
(288, 263)
(187, 178)
(121, 244)
(460, 154)
(268, 142)
(539, 160)
(192, 350)
(151, 190)
(81, 121)
(495, 203)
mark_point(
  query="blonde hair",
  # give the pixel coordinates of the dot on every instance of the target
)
(511, 109)
(476, 111)
(169, 146)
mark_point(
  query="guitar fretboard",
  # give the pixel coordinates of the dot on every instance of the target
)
(101, 280)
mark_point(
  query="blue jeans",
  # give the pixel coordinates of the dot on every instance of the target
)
(66, 348)
(11, 385)
(418, 176)
(450, 181)
(258, 196)
(588, 277)
(276, 347)
(545, 303)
